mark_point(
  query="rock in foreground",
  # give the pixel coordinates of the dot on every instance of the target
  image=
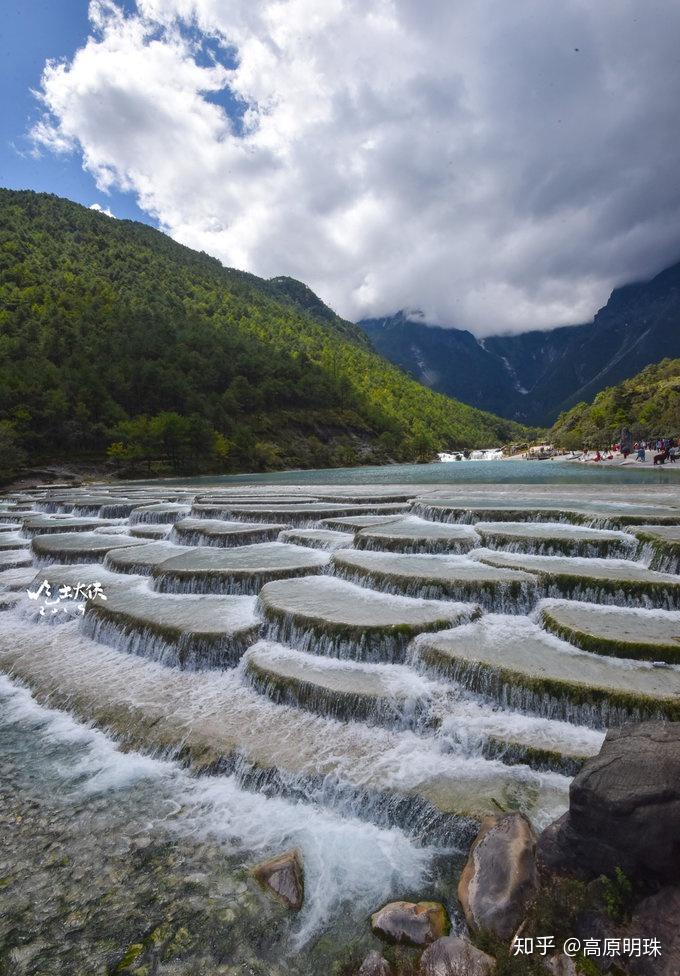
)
(407, 923)
(500, 877)
(452, 956)
(283, 876)
(658, 917)
(624, 810)
(375, 965)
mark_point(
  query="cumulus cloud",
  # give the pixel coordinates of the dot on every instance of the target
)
(103, 210)
(500, 166)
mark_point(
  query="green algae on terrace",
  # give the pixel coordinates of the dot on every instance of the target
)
(438, 576)
(414, 534)
(195, 631)
(306, 513)
(650, 635)
(14, 559)
(352, 617)
(41, 524)
(482, 509)
(142, 559)
(592, 580)
(317, 538)
(218, 532)
(395, 695)
(555, 538)
(79, 546)
(211, 569)
(664, 542)
(158, 512)
(513, 660)
(212, 721)
(352, 523)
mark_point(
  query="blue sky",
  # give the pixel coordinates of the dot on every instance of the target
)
(499, 166)
(31, 32)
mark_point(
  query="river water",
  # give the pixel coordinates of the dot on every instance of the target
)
(457, 472)
(152, 751)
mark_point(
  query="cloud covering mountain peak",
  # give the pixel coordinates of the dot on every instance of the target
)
(499, 166)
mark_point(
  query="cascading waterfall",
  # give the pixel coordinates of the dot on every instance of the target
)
(398, 754)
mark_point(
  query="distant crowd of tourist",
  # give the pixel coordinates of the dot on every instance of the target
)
(664, 449)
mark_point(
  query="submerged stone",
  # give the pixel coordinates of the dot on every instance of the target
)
(414, 534)
(454, 956)
(436, 577)
(318, 538)
(78, 547)
(515, 662)
(307, 513)
(611, 581)
(409, 923)
(352, 523)
(375, 965)
(548, 538)
(149, 530)
(648, 635)
(283, 876)
(332, 687)
(242, 569)
(340, 618)
(664, 543)
(217, 532)
(163, 512)
(188, 632)
(41, 524)
(142, 559)
(389, 777)
(14, 559)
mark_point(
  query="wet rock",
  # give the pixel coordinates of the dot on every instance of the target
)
(283, 875)
(561, 966)
(375, 965)
(657, 917)
(624, 810)
(500, 877)
(452, 956)
(408, 923)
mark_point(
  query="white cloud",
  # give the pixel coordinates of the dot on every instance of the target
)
(103, 210)
(500, 166)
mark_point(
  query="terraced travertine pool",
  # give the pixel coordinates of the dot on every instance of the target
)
(362, 672)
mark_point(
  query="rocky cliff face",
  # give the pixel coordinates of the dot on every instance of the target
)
(533, 376)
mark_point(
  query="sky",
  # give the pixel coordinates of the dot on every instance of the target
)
(498, 166)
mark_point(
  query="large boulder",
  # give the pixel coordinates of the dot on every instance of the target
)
(657, 917)
(500, 878)
(409, 923)
(624, 810)
(283, 876)
(375, 965)
(452, 956)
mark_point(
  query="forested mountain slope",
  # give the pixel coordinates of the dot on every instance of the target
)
(533, 376)
(648, 404)
(111, 332)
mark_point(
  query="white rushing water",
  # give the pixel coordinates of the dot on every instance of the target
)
(381, 680)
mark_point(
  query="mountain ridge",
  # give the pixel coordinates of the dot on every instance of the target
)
(113, 335)
(639, 325)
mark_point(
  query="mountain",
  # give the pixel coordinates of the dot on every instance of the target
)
(112, 335)
(534, 376)
(648, 404)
